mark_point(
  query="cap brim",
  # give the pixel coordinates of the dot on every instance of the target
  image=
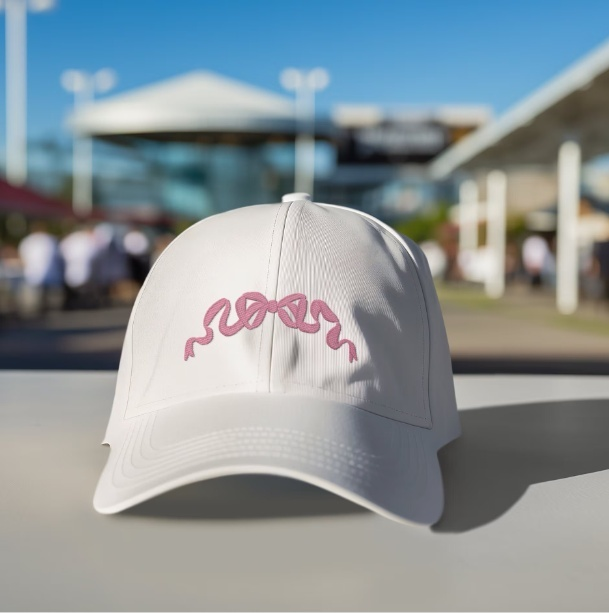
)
(387, 466)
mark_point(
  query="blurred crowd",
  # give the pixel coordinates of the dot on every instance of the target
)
(94, 265)
(104, 264)
(529, 261)
(539, 264)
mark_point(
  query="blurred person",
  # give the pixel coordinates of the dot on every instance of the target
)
(436, 258)
(536, 259)
(448, 238)
(592, 226)
(511, 262)
(475, 264)
(601, 255)
(138, 248)
(110, 264)
(592, 230)
(11, 279)
(43, 269)
(79, 249)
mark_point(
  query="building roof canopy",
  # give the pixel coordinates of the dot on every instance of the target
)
(574, 105)
(198, 106)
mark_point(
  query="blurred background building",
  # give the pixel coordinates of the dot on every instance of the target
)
(511, 208)
(207, 143)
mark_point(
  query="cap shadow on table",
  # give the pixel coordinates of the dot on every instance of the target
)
(503, 450)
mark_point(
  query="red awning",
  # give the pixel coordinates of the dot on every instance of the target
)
(30, 203)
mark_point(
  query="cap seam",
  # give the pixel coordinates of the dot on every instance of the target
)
(285, 221)
(213, 439)
(378, 404)
(266, 287)
(217, 435)
(158, 465)
(206, 396)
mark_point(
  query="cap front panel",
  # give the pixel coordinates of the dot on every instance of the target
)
(198, 326)
(354, 324)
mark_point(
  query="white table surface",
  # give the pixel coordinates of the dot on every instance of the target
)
(526, 524)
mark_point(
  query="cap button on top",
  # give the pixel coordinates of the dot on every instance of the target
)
(295, 196)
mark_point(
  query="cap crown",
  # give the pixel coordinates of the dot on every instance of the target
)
(292, 298)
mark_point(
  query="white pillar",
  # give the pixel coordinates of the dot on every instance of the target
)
(496, 210)
(468, 216)
(84, 85)
(16, 94)
(567, 282)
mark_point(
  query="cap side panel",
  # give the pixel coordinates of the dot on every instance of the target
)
(406, 246)
(370, 347)
(442, 399)
(191, 335)
(272, 276)
(129, 333)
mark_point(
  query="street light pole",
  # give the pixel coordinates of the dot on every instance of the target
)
(84, 86)
(16, 92)
(16, 84)
(304, 165)
(305, 84)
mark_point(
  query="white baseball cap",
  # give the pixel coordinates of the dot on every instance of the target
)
(295, 339)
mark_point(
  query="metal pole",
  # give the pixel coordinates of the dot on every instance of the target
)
(495, 232)
(305, 84)
(82, 163)
(305, 140)
(16, 93)
(567, 282)
(83, 180)
(468, 216)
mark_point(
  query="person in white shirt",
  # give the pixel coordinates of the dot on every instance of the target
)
(537, 259)
(42, 266)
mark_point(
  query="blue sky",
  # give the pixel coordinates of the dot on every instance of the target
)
(384, 52)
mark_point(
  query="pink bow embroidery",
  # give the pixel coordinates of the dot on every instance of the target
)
(292, 311)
